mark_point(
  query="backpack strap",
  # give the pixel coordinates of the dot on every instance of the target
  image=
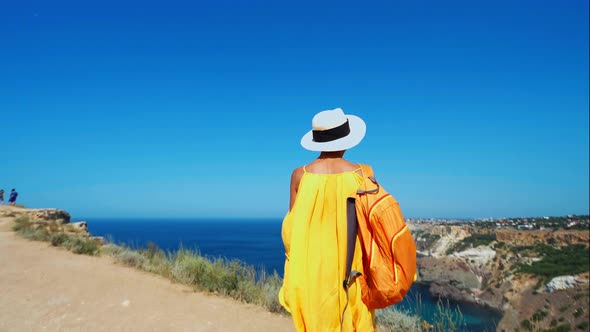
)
(351, 234)
(352, 230)
(371, 186)
(352, 224)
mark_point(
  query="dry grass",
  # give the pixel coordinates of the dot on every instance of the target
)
(231, 278)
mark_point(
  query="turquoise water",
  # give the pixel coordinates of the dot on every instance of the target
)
(256, 242)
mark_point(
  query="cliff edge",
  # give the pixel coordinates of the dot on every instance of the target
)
(51, 289)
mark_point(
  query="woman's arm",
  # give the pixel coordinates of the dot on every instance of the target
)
(295, 179)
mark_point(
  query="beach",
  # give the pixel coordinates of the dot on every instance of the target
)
(51, 289)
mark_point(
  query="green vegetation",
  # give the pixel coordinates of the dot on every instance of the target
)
(555, 262)
(500, 245)
(472, 241)
(430, 238)
(391, 319)
(58, 239)
(539, 315)
(527, 325)
(21, 223)
(425, 240)
(561, 328)
(583, 326)
(76, 244)
(447, 318)
(83, 246)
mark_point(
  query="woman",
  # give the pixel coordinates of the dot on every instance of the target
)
(314, 231)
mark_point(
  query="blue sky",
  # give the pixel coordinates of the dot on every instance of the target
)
(196, 109)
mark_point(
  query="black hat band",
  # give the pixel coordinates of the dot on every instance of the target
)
(333, 134)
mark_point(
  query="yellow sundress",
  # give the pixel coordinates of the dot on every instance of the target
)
(314, 235)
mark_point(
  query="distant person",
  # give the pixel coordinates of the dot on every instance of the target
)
(12, 197)
(314, 231)
(1, 196)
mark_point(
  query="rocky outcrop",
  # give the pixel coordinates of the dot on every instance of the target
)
(54, 221)
(443, 291)
(56, 226)
(447, 271)
(50, 220)
(563, 282)
(531, 237)
(48, 215)
(477, 257)
(80, 227)
(449, 235)
(488, 274)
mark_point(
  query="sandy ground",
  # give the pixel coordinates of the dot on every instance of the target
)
(43, 288)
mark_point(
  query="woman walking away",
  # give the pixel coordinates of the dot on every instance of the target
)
(315, 231)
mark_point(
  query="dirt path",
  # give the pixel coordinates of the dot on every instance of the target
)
(49, 289)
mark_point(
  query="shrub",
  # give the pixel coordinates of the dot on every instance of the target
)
(539, 315)
(583, 326)
(569, 260)
(474, 240)
(21, 223)
(83, 246)
(271, 287)
(189, 269)
(527, 325)
(500, 245)
(447, 318)
(111, 249)
(37, 235)
(75, 244)
(561, 328)
(391, 319)
(58, 239)
(130, 258)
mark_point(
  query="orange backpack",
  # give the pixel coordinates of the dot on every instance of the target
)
(389, 251)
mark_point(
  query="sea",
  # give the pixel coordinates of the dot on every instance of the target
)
(258, 242)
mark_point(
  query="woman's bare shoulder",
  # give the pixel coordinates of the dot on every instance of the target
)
(297, 174)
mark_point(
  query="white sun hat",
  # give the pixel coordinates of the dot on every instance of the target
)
(332, 130)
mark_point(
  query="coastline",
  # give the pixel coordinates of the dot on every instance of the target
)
(462, 298)
(257, 241)
(50, 288)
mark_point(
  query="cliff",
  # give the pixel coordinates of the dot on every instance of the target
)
(46, 288)
(51, 220)
(485, 266)
(529, 238)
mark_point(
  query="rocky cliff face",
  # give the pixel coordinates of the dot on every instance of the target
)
(45, 215)
(447, 270)
(51, 220)
(446, 237)
(529, 238)
(488, 274)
